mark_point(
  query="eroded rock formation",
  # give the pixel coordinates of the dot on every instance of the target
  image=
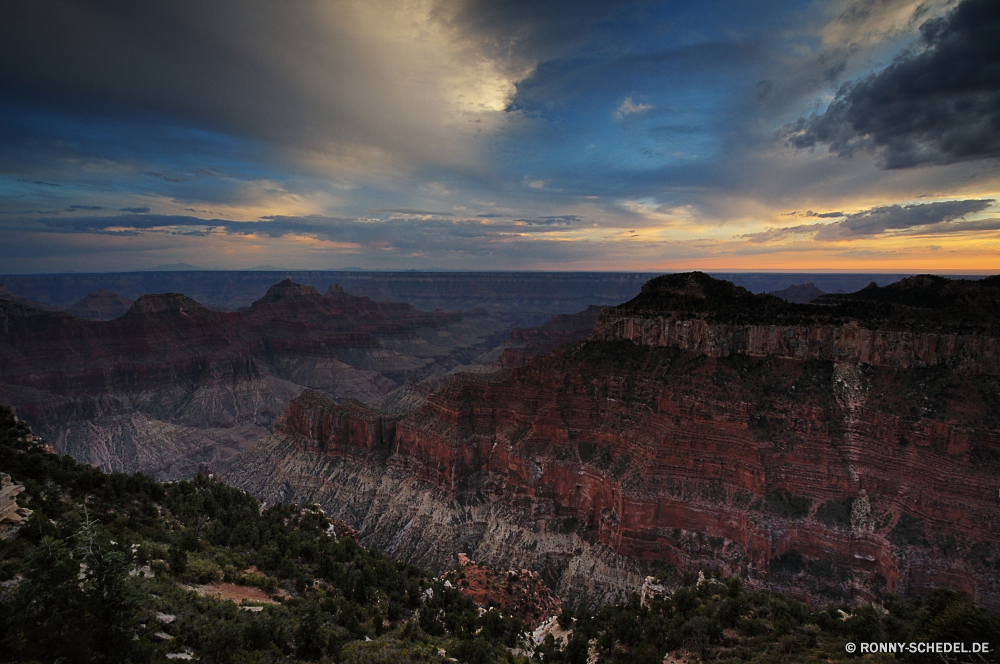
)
(171, 384)
(829, 453)
(100, 305)
(522, 344)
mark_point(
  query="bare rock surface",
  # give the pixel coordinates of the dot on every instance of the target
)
(172, 386)
(831, 474)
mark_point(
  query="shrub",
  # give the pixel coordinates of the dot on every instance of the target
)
(908, 530)
(836, 512)
(787, 505)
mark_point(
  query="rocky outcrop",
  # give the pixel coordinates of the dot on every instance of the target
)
(799, 293)
(12, 517)
(10, 513)
(513, 592)
(100, 305)
(171, 386)
(522, 344)
(817, 475)
(702, 315)
(392, 339)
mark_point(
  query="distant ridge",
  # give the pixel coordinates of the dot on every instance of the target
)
(100, 305)
(799, 294)
(7, 295)
(174, 267)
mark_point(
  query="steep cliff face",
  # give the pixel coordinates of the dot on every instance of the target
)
(171, 384)
(958, 328)
(391, 339)
(166, 386)
(821, 475)
(522, 344)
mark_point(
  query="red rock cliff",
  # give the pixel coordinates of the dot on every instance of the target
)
(827, 479)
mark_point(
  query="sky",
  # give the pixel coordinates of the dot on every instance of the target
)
(857, 135)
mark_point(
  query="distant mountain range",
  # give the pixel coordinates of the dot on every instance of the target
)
(798, 293)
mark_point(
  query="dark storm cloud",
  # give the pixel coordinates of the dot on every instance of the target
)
(117, 57)
(921, 219)
(84, 208)
(410, 233)
(939, 106)
(324, 78)
(135, 210)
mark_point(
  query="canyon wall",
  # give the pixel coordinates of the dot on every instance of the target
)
(171, 386)
(850, 342)
(818, 474)
(528, 298)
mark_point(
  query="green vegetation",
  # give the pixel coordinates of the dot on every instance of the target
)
(928, 391)
(788, 506)
(908, 530)
(68, 593)
(719, 621)
(836, 512)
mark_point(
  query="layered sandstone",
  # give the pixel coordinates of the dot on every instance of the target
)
(513, 592)
(522, 344)
(875, 326)
(814, 472)
(171, 385)
(10, 512)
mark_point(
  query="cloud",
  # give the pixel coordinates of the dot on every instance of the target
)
(920, 219)
(423, 231)
(937, 106)
(84, 208)
(342, 83)
(134, 210)
(629, 107)
(409, 212)
(772, 234)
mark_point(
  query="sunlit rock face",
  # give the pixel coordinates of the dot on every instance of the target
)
(830, 473)
(171, 386)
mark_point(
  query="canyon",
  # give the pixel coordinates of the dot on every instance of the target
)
(171, 385)
(521, 298)
(830, 451)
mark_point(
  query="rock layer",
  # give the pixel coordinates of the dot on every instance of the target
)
(813, 473)
(875, 326)
(171, 384)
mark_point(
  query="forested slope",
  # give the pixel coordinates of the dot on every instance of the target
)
(119, 568)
